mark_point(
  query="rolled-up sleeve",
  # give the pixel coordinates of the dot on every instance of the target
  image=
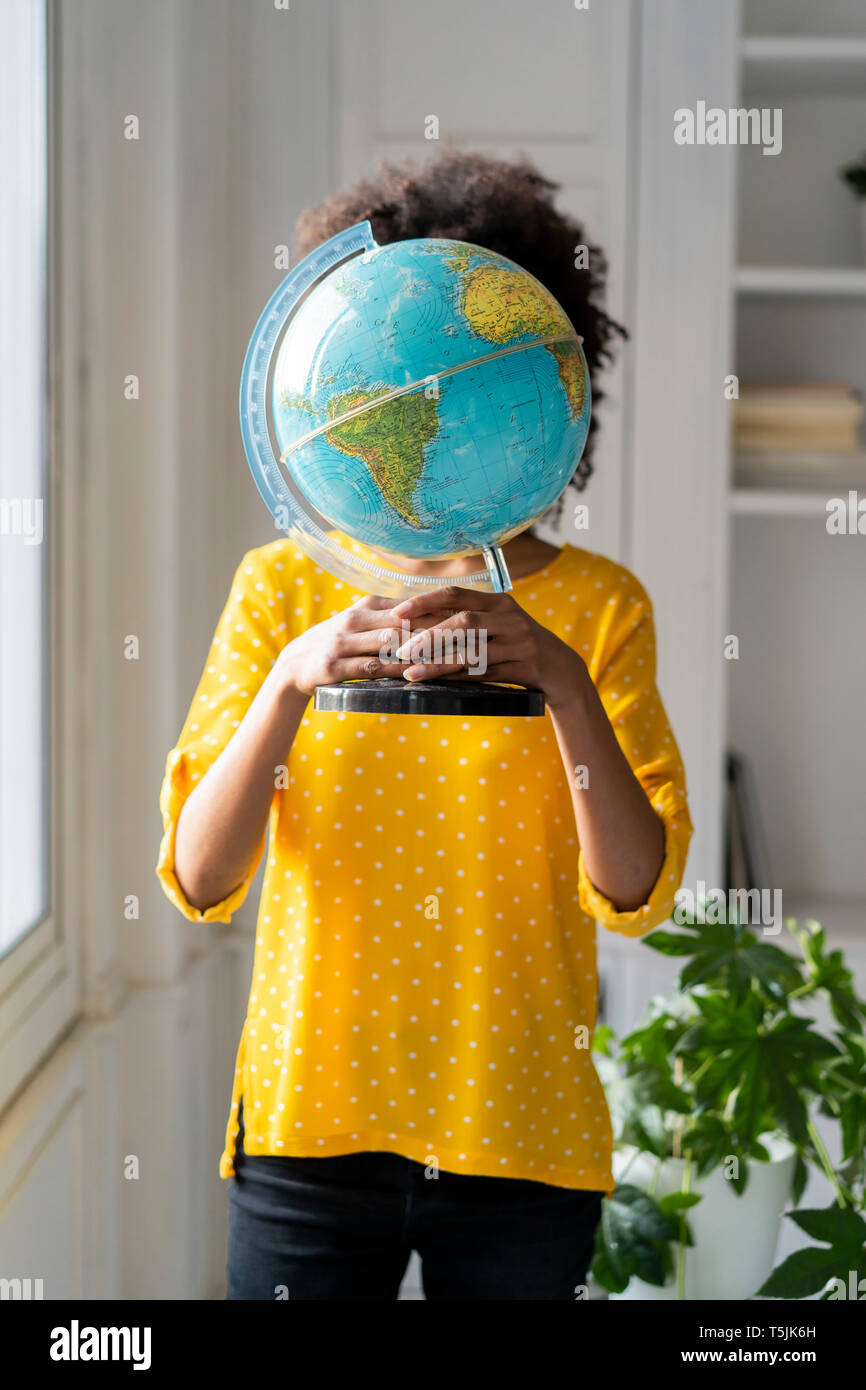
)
(623, 668)
(248, 638)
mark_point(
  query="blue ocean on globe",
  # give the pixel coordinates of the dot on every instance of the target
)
(430, 398)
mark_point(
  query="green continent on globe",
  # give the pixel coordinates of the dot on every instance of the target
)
(391, 439)
(503, 305)
(572, 374)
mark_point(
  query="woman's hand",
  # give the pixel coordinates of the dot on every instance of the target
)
(352, 645)
(621, 837)
(474, 635)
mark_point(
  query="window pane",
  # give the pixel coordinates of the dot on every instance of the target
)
(23, 446)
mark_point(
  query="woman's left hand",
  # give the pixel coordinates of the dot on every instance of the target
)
(468, 634)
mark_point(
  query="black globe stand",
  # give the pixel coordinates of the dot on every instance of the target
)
(429, 697)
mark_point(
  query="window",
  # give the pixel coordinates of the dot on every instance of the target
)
(24, 653)
(40, 787)
(24, 683)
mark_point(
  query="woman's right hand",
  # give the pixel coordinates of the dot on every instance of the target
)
(347, 647)
(222, 824)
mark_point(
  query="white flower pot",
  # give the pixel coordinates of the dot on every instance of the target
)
(735, 1237)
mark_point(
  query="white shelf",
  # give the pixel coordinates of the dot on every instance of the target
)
(793, 484)
(843, 919)
(821, 281)
(754, 501)
(785, 581)
(792, 67)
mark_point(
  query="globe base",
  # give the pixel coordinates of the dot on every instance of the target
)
(429, 697)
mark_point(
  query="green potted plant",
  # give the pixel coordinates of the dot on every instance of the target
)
(713, 1100)
(855, 177)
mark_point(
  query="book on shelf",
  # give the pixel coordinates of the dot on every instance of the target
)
(802, 418)
(828, 472)
(797, 441)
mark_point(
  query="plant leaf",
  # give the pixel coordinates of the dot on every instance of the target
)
(800, 1179)
(603, 1272)
(838, 1226)
(679, 1201)
(803, 1273)
(670, 943)
(602, 1039)
(633, 1237)
(729, 956)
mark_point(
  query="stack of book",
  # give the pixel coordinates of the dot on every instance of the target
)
(798, 418)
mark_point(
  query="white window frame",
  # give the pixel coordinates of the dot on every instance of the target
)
(40, 976)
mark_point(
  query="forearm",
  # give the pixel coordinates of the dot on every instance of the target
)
(621, 837)
(223, 820)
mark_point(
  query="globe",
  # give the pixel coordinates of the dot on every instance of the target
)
(430, 399)
(427, 399)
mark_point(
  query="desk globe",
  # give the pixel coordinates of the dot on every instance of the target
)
(428, 399)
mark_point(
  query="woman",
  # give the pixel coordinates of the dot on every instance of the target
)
(414, 1070)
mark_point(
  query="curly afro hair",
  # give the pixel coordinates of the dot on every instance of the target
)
(504, 205)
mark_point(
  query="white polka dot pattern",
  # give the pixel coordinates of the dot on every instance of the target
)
(425, 948)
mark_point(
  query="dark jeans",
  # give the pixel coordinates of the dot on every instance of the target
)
(344, 1228)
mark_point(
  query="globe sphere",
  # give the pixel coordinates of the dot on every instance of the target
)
(430, 399)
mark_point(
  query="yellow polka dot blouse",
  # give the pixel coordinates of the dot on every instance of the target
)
(425, 964)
